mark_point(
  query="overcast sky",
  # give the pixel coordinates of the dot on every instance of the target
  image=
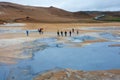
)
(74, 5)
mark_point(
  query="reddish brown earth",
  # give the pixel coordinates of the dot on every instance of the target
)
(11, 12)
(79, 75)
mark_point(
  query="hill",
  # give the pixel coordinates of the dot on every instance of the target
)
(11, 12)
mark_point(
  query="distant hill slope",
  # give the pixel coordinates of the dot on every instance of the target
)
(11, 12)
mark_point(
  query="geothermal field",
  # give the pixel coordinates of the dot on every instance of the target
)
(91, 52)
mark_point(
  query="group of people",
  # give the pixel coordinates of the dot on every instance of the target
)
(40, 30)
(59, 33)
(67, 33)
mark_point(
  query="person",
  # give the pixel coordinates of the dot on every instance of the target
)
(58, 34)
(65, 33)
(39, 30)
(61, 33)
(77, 32)
(70, 33)
(27, 32)
(73, 30)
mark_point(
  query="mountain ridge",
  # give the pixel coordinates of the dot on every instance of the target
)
(12, 12)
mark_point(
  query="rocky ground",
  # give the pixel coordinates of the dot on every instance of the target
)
(68, 74)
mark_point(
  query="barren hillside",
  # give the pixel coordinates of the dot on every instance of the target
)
(11, 12)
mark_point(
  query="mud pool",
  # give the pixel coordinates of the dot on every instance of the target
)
(50, 54)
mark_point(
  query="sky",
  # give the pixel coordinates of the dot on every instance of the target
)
(73, 5)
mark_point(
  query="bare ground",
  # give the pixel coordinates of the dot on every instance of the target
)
(68, 74)
(10, 43)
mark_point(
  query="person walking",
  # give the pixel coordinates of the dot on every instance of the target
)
(39, 30)
(27, 32)
(77, 32)
(70, 33)
(73, 30)
(65, 33)
(58, 33)
(62, 33)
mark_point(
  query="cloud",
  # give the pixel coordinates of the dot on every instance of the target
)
(74, 5)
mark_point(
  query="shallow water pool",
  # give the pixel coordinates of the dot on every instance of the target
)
(53, 55)
(98, 56)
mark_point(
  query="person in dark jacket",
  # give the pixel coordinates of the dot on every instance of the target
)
(39, 30)
(65, 33)
(73, 30)
(27, 32)
(58, 33)
(61, 33)
(70, 33)
(77, 32)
